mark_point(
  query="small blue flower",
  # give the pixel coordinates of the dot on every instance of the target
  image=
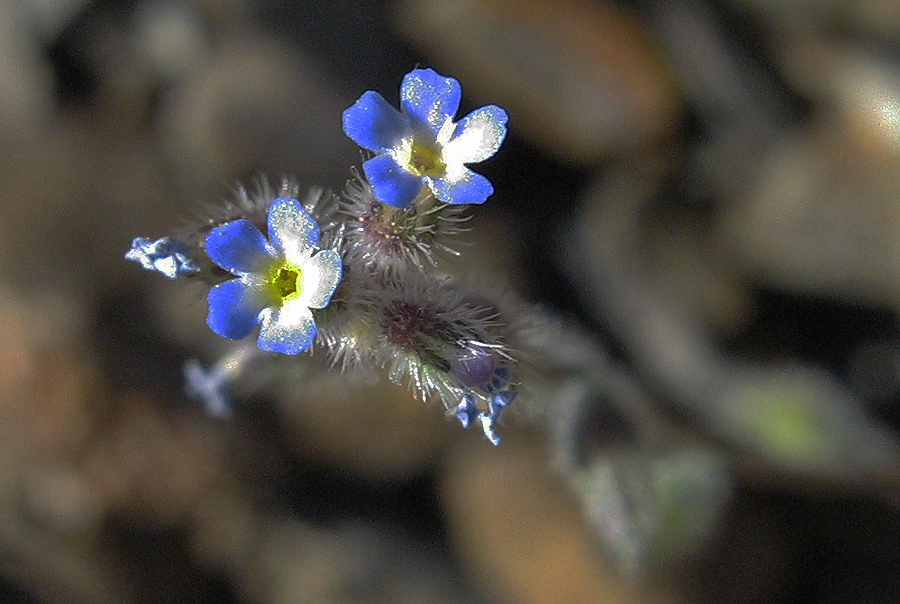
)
(421, 144)
(467, 411)
(278, 281)
(165, 255)
(211, 386)
(208, 387)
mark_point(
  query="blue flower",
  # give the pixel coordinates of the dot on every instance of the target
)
(165, 255)
(208, 387)
(498, 396)
(421, 144)
(278, 281)
(467, 410)
(211, 386)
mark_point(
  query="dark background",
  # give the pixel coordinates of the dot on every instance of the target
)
(704, 191)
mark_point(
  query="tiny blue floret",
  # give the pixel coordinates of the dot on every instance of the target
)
(165, 255)
(277, 280)
(420, 145)
(466, 411)
(208, 387)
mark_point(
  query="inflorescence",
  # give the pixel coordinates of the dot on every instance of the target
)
(352, 272)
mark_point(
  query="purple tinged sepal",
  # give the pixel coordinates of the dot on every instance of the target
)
(473, 365)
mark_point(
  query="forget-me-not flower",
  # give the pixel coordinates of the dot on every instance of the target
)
(498, 394)
(165, 255)
(421, 144)
(278, 281)
(467, 412)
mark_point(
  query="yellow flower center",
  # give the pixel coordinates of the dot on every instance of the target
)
(284, 282)
(425, 159)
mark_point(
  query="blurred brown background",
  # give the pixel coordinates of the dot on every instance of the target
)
(706, 191)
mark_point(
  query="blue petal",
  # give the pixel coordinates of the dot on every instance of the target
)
(477, 136)
(289, 329)
(466, 411)
(429, 98)
(238, 247)
(489, 425)
(391, 184)
(234, 309)
(320, 277)
(469, 187)
(292, 229)
(500, 400)
(374, 124)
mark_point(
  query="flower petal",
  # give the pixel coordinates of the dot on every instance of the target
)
(373, 123)
(319, 278)
(292, 230)
(238, 247)
(477, 136)
(429, 98)
(391, 184)
(464, 186)
(466, 411)
(489, 425)
(288, 329)
(234, 308)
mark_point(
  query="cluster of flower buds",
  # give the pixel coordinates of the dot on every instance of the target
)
(353, 273)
